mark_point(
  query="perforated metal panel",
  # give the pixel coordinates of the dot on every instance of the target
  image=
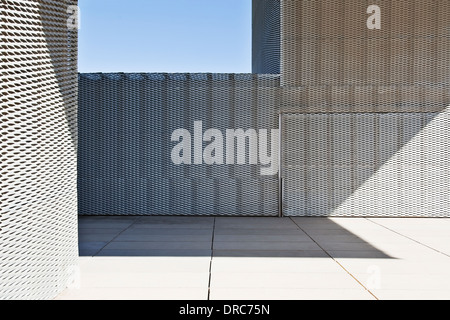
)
(366, 164)
(126, 122)
(38, 221)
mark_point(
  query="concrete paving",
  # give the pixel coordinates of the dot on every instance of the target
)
(252, 258)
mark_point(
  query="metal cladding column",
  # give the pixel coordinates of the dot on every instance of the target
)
(365, 107)
(38, 221)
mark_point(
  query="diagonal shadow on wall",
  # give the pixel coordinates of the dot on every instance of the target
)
(334, 164)
(366, 164)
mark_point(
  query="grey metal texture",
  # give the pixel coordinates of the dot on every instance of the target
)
(366, 164)
(366, 109)
(266, 36)
(365, 118)
(125, 127)
(332, 62)
(38, 220)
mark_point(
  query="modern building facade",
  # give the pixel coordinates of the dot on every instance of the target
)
(346, 113)
(364, 110)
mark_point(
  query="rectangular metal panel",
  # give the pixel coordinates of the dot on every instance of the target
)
(266, 34)
(366, 164)
(327, 47)
(126, 128)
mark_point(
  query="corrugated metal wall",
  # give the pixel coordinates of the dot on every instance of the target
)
(38, 221)
(126, 122)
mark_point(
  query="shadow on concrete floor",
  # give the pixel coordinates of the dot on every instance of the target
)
(219, 237)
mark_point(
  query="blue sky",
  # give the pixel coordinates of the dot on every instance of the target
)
(165, 36)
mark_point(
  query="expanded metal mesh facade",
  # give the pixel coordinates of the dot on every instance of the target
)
(363, 99)
(366, 164)
(364, 103)
(334, 60)
(38, 222)
(126, 126)
(363, 95)
(266, 36)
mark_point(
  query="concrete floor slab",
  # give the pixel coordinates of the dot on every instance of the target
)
(411, 281)
(135, 294)
(169, 245)
(133, 230)
(265, 245)
(126, 279)
(273, 265)
(153, 253)
(130, 237)
(262, 238)
(145, 264)
(86, 229)
(289, 294)
(394, 266)
(412, 294)
(256, 231)
(254, 223)
(262, 258)
(93, 237)
(319, 280)
(271, 253)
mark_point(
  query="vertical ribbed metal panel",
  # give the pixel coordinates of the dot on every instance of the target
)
(38, 222)
(126, 122)
(266, 24)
